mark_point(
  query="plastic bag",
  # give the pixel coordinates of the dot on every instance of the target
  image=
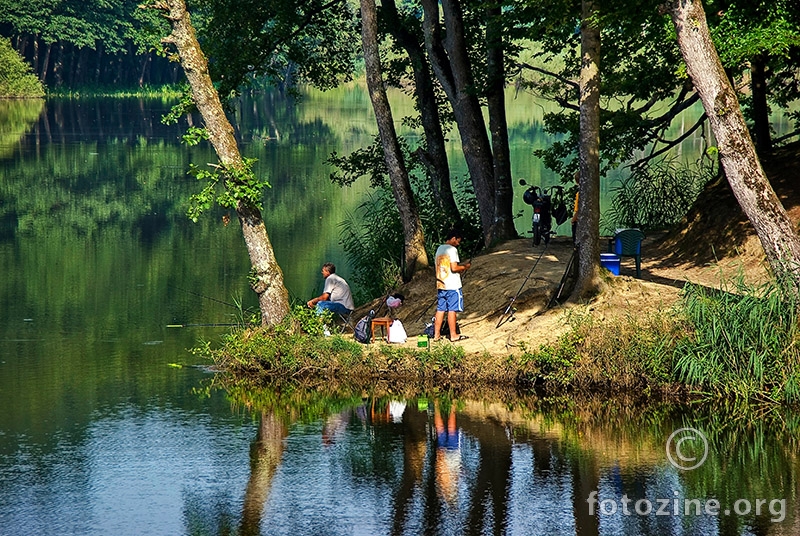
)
(397, 332)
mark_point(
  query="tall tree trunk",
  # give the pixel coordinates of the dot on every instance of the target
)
(414, 253)
(35, 58)
(45, 63)
(434, 156)
(58, 66)
(266, 275)
(588, 228)
(758, 88)
(451, 66)
(143, 71)
(98, 64)
(498, 125)
(748, 181)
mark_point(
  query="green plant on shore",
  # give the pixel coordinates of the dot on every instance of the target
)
(295, 347)
(742, 343)
(442, 357)
(621, 355)
(656, 196)
(17, 79)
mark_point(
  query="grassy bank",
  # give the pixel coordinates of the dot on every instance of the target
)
(738, 343)
(296, 352)
(172, 92)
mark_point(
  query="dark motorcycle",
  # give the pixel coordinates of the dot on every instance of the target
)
(547, 203)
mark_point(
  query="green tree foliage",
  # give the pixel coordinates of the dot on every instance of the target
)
(314, 41)
(96, 42)
(644, 83)
(759, 43)
(16, 78)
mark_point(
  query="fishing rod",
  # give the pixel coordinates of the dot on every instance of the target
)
(204, 296)
(564, 277)
(200, 325)
(471, 256)
(511, 304)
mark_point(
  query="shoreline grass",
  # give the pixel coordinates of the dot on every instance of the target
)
(167, 91)
(714, 345)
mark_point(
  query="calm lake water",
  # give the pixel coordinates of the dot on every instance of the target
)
(106, 425)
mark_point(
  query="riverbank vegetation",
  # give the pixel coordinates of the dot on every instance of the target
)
(738, 345)
(173, 92)
(16, 77)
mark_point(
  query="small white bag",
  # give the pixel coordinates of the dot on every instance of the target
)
(397, 332)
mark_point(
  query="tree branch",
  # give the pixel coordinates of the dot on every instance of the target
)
(670, 144)
(566, 81)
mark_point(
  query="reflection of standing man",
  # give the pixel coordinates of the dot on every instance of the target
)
(448, 453)
(449, 298)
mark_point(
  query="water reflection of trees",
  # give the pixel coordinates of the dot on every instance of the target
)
(265, 456)
(525, 465)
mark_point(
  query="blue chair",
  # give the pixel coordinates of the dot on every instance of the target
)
(628, 243)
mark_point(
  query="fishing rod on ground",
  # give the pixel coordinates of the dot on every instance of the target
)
(564, 278)
(475, 249)
(511, 304)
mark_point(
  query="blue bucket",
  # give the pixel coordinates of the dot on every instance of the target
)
(610, 262)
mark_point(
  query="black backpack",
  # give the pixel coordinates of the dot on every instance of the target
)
(363, 330)
(444, 331)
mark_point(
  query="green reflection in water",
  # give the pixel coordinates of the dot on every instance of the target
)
(518, 455)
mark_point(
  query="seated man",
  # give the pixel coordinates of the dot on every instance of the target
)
(335, 295)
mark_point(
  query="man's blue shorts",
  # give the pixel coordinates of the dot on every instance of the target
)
(450, 300)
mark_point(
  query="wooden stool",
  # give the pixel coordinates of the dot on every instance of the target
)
(383, 322)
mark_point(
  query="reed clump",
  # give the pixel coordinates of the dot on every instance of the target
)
(623, 355)
(742, 342)
(739, 342)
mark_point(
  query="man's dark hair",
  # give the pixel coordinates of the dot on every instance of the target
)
(454, 233)
(330, 267)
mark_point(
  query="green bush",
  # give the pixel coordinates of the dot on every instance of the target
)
(656, 197)
(292, 348)
(631, 354)
(16, 76)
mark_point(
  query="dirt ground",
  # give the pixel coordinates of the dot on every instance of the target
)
(713, 244)
(508, 270)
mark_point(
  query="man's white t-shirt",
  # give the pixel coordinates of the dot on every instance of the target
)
(339, 291)
(445, 278)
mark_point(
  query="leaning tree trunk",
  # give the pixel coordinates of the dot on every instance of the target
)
(450, 63)
(737, 154)
(588, 228)
(414, 251)
(498, 125)
(266, 276)
(434, 156)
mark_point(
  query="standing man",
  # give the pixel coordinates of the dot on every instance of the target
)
(449, 298)
(335, 295)
(575, 209)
